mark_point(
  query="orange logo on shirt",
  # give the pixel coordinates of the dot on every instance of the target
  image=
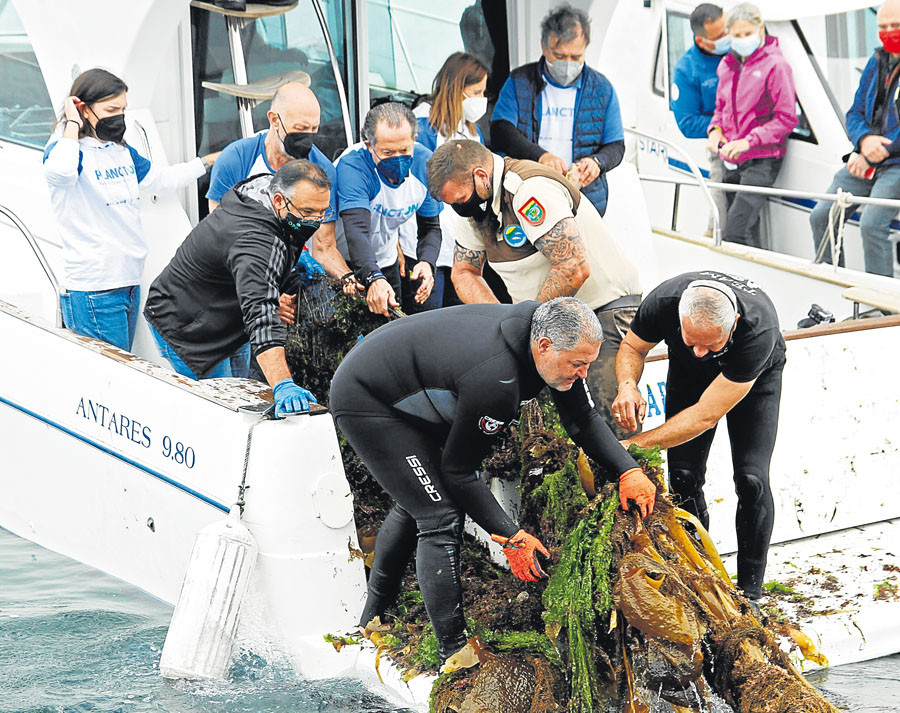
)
(533, 211)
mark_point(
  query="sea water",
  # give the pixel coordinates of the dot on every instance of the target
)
(73, 640)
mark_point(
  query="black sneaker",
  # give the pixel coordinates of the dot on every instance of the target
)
(240, 5)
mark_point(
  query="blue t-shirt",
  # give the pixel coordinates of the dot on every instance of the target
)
(247, 157)
(359, 185)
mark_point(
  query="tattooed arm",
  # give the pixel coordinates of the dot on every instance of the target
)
(467, 276)
(569, 267)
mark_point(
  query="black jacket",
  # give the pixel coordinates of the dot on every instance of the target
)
(224, 281)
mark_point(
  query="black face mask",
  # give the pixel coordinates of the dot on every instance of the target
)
(110, 128)
(710, 355)
(298, 229)
(297, 144)
(473, 207)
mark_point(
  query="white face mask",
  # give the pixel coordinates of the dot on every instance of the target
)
(745, 46)
(474, 108)
(564, 72)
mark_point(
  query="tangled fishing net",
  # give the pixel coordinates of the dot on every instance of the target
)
(637, 615)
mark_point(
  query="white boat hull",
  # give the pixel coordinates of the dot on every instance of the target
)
(118, 463)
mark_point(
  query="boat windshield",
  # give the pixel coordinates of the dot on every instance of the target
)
(26, 114)
(842, 44)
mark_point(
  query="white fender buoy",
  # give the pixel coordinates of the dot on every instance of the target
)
(201, 635)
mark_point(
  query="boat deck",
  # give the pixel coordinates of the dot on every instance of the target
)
(842, 590)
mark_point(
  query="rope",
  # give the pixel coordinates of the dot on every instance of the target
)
(835, 238)
(243, 487)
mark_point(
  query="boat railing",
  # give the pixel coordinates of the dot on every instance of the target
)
(843, 198)
(695, 171)
(39, 254)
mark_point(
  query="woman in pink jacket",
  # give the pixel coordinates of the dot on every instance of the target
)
(755, 113)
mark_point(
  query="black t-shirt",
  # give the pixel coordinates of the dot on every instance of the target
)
(755, 346)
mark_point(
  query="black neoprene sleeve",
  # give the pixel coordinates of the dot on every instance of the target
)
(357, 228)
(429, 245)
(610, 155)
(506, 138)
(589, 430)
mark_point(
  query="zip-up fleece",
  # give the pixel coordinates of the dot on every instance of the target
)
(224, 281)
(756, 101)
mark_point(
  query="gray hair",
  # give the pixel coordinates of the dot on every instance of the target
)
(454, 160)
(295, 171)
(708, 303)
(743, 11)
(393, 114)
(702, 14)
(562, 22)
(566, 322)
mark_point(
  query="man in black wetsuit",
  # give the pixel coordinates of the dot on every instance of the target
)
(726, 357)
(422, 399)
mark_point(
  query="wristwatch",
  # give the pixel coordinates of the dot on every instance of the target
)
(374, 276)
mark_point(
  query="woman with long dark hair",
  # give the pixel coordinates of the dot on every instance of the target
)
(95, 182)
(456, 102)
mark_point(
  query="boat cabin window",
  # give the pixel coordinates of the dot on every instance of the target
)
(26, 112)
(841, 45)
(679, 39)
(271, 46)
(660, 73)
(408, 43)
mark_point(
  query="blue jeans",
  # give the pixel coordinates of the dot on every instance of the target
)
(875, 224)
(240, 362)
(222, 369)
(110, 315)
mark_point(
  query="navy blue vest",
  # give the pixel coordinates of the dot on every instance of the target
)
(590, 117)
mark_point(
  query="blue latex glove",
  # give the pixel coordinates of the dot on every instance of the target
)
(290, 398)
(309, 266)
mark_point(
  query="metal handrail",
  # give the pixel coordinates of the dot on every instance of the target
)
(695, 171)
(778, 192)
(39, 254)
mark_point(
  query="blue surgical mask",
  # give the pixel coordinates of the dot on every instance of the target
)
(722, 45)
(395, 168)
(745, 46)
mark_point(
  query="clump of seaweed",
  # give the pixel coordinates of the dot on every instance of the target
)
(637, 615)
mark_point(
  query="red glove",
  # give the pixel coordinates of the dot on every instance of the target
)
(634, 485)
(521, 550)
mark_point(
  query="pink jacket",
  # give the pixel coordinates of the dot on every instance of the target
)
(756, 101)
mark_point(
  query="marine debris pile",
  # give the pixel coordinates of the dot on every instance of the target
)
(637, 615)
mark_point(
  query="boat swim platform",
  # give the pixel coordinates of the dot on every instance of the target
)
(841, 589)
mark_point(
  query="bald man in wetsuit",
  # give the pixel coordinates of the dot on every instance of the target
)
(726, 358)
(422, 399)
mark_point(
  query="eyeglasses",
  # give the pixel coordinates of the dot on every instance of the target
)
(315, 217)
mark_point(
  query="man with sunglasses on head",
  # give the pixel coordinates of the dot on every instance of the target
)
(224, 282)
(293, 133)
(381, 184)
(726, 357)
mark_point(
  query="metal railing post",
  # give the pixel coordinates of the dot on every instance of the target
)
(39, 254)
(695, 171)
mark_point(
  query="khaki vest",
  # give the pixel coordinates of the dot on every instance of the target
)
(497, 249)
